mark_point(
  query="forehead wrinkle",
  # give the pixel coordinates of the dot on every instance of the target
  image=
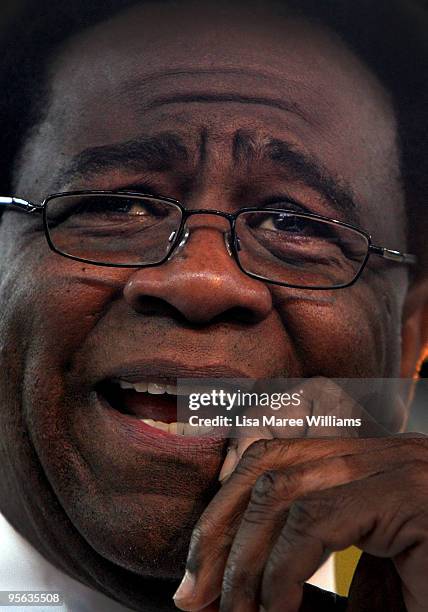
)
(233, 98)
(203, 144)
(142, 88)
(225, 85)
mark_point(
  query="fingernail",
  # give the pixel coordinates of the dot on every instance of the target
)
(244, 443)
(185, 592)
(234, 455)
(229, 464)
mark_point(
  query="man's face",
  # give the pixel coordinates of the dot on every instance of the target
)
(203, 94)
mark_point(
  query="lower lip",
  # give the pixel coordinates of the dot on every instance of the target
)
(159, 437)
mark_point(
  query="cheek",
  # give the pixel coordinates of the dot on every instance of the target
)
(50, 306)
(55, 306)
(344, 333)
(49, 303)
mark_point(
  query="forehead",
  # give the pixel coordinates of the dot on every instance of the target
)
(191, 69)
(144, 57)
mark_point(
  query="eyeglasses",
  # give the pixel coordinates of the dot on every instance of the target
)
(275, 244)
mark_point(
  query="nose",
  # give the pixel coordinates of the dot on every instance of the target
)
(201, 283)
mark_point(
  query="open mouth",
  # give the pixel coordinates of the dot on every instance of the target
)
(152, 402)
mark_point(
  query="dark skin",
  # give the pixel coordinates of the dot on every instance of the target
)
(90, 485)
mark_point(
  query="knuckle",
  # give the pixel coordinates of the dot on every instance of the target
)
(238, 590)
(239, 580)
(194, 555)
(264, 487)
(204, 529)
(288, 539)
(228, 586)
(209, 526)
(264, 499)
(275, 486)
(412, 444)
(347, 467)
(205, 543)
(258, 449)
(306, 513)
(274, 453)
(415, 474)
(274, 567)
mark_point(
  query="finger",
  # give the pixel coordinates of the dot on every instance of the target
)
(323, 403)
(217, 527)
(236, 449)
(271, 498)
(334, 519)
(264, 517)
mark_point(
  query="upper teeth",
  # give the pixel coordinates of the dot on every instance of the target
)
(148, 387)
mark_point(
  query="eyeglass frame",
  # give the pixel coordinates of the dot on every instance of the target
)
(232, 246)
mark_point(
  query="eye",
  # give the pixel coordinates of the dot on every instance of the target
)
(284, 223)
(287, 226)
(104, 210)
(106, 206)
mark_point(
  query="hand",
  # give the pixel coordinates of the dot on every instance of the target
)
(290, 502)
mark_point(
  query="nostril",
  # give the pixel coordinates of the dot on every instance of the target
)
(237, 314)
(157, 307)
(204, 286)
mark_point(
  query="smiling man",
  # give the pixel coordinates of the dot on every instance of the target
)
(108, 298)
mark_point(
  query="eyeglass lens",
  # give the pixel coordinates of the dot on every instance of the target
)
(113, 229)
(280, 246)
(299, 250)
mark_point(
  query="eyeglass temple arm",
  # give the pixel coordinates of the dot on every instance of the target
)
(19, 204)
(391, 255)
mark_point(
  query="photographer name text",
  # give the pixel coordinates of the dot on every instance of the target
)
(241, 420)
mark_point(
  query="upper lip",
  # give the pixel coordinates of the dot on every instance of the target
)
(167, 372)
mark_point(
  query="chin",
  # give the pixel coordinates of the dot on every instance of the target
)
(153, 542)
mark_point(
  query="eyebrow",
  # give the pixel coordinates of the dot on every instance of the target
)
(298, 165)
(154, 153)
(162, 152)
